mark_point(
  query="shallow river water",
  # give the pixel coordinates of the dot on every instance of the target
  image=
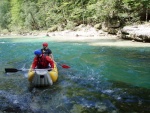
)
(101, 79)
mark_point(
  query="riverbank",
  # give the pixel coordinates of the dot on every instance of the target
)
(86, 34)
(110, 40)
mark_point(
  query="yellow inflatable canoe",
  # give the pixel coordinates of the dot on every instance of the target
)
(43, 77)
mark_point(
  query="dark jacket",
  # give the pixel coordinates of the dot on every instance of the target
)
(46, 51)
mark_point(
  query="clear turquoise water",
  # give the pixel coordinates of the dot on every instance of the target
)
(101, 79)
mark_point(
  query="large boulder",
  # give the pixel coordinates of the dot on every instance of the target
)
(136, 33)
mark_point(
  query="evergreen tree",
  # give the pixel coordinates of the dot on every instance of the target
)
(15, 11)
(4, 14)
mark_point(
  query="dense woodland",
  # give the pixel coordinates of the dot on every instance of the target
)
(27, 15)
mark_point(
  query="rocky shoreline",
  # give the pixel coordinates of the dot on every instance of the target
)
(80, 31)
(127, 36)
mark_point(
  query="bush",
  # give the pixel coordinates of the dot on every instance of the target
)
(5, 31)
(52, 29)
(70, 25)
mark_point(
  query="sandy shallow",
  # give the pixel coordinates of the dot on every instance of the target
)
(121, 43)
(104, 40)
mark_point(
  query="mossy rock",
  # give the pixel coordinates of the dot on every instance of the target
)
(98, 26)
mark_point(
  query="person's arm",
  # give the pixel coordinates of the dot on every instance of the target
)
(50, 60)
(50, 54)
(34, 64)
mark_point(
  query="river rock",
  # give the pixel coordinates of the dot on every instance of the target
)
(136, 33)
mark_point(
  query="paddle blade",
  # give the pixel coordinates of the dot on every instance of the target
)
(65, 66)
(11, 70)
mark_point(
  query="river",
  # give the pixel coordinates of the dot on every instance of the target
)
(102, 79)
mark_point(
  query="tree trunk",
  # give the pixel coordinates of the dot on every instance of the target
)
(146, 14)
(34, 23)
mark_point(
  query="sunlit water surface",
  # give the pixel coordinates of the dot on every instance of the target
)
(100, 80)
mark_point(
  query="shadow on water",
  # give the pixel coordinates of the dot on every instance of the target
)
(100, 80)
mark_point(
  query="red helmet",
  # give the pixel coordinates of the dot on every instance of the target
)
(45, 44)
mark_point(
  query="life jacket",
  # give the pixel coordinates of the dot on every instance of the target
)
(42, 62)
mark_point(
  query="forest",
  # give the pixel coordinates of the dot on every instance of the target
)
(29, 15)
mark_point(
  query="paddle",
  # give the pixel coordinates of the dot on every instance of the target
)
(12, 70)
(65, 66)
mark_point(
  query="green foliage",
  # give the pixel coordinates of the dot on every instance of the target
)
(30, 15)
(4, 14)
(70, 25)
(44, 14)
(4, 31)
(54, 28)
(138, 7)
(15, 11)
